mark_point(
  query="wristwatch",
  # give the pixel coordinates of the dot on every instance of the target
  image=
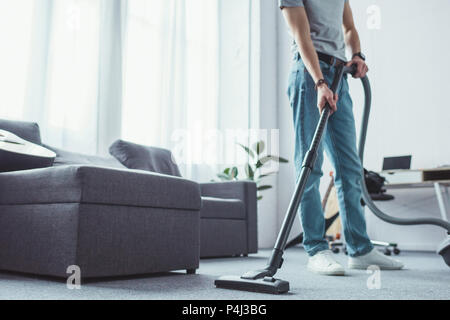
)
(319, 83)
(361, 55)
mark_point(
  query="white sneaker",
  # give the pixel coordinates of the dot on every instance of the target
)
(374, 258)
(324, 263)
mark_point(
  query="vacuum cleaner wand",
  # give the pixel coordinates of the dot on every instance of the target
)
(263, 280)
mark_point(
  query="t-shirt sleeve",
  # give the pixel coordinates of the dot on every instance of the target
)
(290, 3)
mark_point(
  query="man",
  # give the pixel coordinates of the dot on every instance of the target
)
(321, 30)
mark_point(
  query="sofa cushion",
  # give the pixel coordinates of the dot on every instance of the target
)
(215, 208)
(135, 156)
(98, 185)
(26, 130)
(65, 158)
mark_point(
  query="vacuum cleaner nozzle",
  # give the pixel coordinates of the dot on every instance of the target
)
(266, 285)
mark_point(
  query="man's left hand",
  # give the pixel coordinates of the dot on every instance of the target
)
(361, 65)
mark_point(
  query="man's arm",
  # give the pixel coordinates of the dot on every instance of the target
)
(298, 22)
(352, 41)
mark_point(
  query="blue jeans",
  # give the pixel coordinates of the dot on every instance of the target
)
(339, 142)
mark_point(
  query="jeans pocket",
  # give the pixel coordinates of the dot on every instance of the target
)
(291, 82)
(296, 80)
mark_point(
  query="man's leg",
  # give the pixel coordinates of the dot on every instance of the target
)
(340, 144)
(306, 117)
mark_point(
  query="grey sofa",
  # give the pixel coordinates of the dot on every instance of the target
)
(228, 219)
(228, 214)
(113, 221)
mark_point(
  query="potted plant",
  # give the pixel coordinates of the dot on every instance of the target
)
(254, 168)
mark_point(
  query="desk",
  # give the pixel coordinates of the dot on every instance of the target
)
(439, 179)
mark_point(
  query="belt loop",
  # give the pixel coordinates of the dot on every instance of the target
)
(333, 63)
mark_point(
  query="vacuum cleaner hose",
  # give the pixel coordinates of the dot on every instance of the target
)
(366, 196)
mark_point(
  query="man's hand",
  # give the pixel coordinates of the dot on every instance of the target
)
(324, 95)
(361, 67)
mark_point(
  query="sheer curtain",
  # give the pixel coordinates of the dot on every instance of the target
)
(70, 113)
(171, 75)
(167, 73)
(15, 34)
(187, 80)
(63, 67)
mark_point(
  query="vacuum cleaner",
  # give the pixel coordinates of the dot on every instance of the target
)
(263, 280)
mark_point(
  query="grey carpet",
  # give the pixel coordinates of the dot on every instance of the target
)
(425, 277)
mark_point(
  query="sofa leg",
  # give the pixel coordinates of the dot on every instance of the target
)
(191, 271)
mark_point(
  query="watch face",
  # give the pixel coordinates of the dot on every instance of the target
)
(362, 56)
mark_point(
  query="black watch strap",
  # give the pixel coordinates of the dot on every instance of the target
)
(360, 54)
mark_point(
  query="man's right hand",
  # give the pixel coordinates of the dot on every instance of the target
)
(324, 95)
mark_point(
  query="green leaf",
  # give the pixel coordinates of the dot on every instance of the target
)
(266, 175)
(259, 198)
(234, 173)
(263, 176)
(259, 147)
(227, 171)
(267, 159)
(224, 177)
(249, 171)
(262, 188)
(247, 149)
(283, 160)
(259, 164)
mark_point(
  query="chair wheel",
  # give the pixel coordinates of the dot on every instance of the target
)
(387, 252)
(396, 251)
(336, 250)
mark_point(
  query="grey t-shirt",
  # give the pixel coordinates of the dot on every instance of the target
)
(325, 19)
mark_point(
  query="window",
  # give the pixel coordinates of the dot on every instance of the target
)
(186, 76)
(72, 83)
(15, 33)
(175, 73)
(170, 68)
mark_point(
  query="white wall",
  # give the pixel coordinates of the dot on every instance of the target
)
(264, 103)
(407, 57)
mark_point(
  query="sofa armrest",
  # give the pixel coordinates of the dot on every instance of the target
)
(244, 191)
